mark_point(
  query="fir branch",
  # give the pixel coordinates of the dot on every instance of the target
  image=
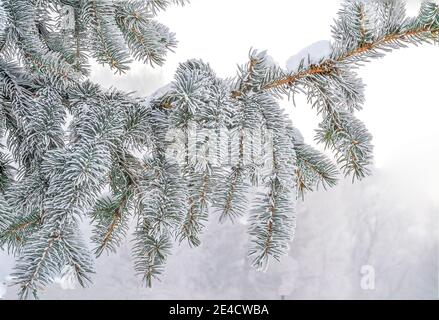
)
(313, 169)
(61, 177)
(110, 222)
(161, 207)
(6, 172)
(18, 230)
(141, 33)
(31, 277)
(359, 54)
(105, 39)
(350, 140)
(112, 212)
(273, 220)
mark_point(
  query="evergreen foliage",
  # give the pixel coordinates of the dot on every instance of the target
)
(70, 148)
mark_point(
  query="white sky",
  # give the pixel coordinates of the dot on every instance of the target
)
(400, 111)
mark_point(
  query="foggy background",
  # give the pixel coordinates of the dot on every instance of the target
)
(388, 222)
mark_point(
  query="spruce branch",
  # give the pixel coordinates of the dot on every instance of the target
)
(273, 213)
(141, 33)
(110, 223)
(112, 212)
(312, 167)
(6, 172)
(17, 230)
(105, 38)
(416, 35)
(73, 149)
